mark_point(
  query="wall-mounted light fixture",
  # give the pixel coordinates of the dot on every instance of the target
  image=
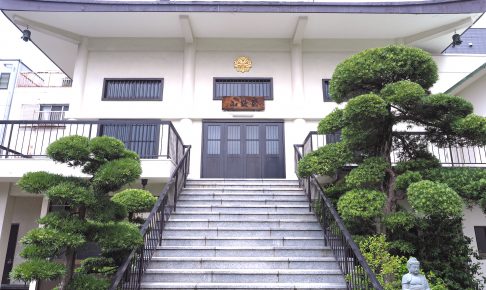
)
(456, 40)
(26, 34)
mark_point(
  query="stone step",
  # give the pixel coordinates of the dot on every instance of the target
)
(245, 208)
(254, 224)
(173, 231)
(256, 186)
(268, 190)
(243, 241)
(181, 213)
(242, 201)
(233, 251)
(244, 275)
(240, 196)
(232, 286)
(230, 181)
(243, 263)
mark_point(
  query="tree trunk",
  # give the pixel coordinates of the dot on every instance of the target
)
(390, 176)
(70, 264)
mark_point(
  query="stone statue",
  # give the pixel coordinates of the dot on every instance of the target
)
(414, 280)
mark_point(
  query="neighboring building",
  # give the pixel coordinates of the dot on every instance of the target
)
(136, 65)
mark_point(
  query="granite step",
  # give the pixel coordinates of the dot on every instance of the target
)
(243, 241)
(244, 263)
(232, 286)
(248, 251)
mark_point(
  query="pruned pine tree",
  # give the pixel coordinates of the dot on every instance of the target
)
(87, 215)
(385, 89)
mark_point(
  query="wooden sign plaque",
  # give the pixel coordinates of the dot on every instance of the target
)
(243, 103)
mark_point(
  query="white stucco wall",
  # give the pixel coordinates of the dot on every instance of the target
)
(476, 94)
(474, 216)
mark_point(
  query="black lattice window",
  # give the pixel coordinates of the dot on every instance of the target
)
(243, 87)
(133, 89)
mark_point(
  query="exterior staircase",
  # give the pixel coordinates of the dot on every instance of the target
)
(243, 234)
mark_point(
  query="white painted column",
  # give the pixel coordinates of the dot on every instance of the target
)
(188, 73)
(297, 73)
(79, 79)
(6, 211)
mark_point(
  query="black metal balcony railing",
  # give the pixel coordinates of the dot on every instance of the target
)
(356, 270)
(130, 273)
(474, 156)
(151, 139)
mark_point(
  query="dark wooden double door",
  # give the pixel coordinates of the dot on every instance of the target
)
(243, 150)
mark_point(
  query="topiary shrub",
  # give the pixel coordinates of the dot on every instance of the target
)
(472, 127)
(72, 150)
(85, 203)
(135, 201)
(37, 269)
(434, 199)
(369, 174)
(331, 123)
(372, 69)
(361, 204)
(88, 282)
(405, 94)
(325, 160)
(404, 180)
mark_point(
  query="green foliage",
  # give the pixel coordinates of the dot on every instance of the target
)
(418, 164)
(399, 221)
(63, 222)
(98, 265)
(365, 108)
(369, 174)
(372, 69)
(39, 182)
(403, 247)
(90, 215)
(70, 193)
(361, 204)
(469, 183)
(37, 269)
(112, 175)
(472, 127)
(331, 123)
(106, 210)
(46, 242)
(443, 249)
(325, 160)
(116, 236)
(88, 282)
(106, 148)
(405, 94)
(443, 109)
(389, 269)
(434, 199)
(404, 180)
(73, 150)
(135, 200)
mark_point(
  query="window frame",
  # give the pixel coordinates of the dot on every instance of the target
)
(106, 80)
(269, 79)
(325, 91)
(8, 80)
(64, 109)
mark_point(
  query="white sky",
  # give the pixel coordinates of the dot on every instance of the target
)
(12, 47)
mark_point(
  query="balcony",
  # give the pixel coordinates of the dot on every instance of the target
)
(43, 79)
(453, 156)
(157, 142)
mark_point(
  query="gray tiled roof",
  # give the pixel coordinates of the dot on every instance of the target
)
(476, 36)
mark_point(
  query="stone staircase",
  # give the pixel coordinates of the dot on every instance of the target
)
(243, 234)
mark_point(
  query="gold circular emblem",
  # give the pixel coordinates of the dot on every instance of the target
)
(242, 64)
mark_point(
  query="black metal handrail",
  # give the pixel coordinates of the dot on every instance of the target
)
(358, 274)
(151, 139)
(129, 274)
(447, 155)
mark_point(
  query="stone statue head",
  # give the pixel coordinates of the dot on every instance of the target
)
(413, 265)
